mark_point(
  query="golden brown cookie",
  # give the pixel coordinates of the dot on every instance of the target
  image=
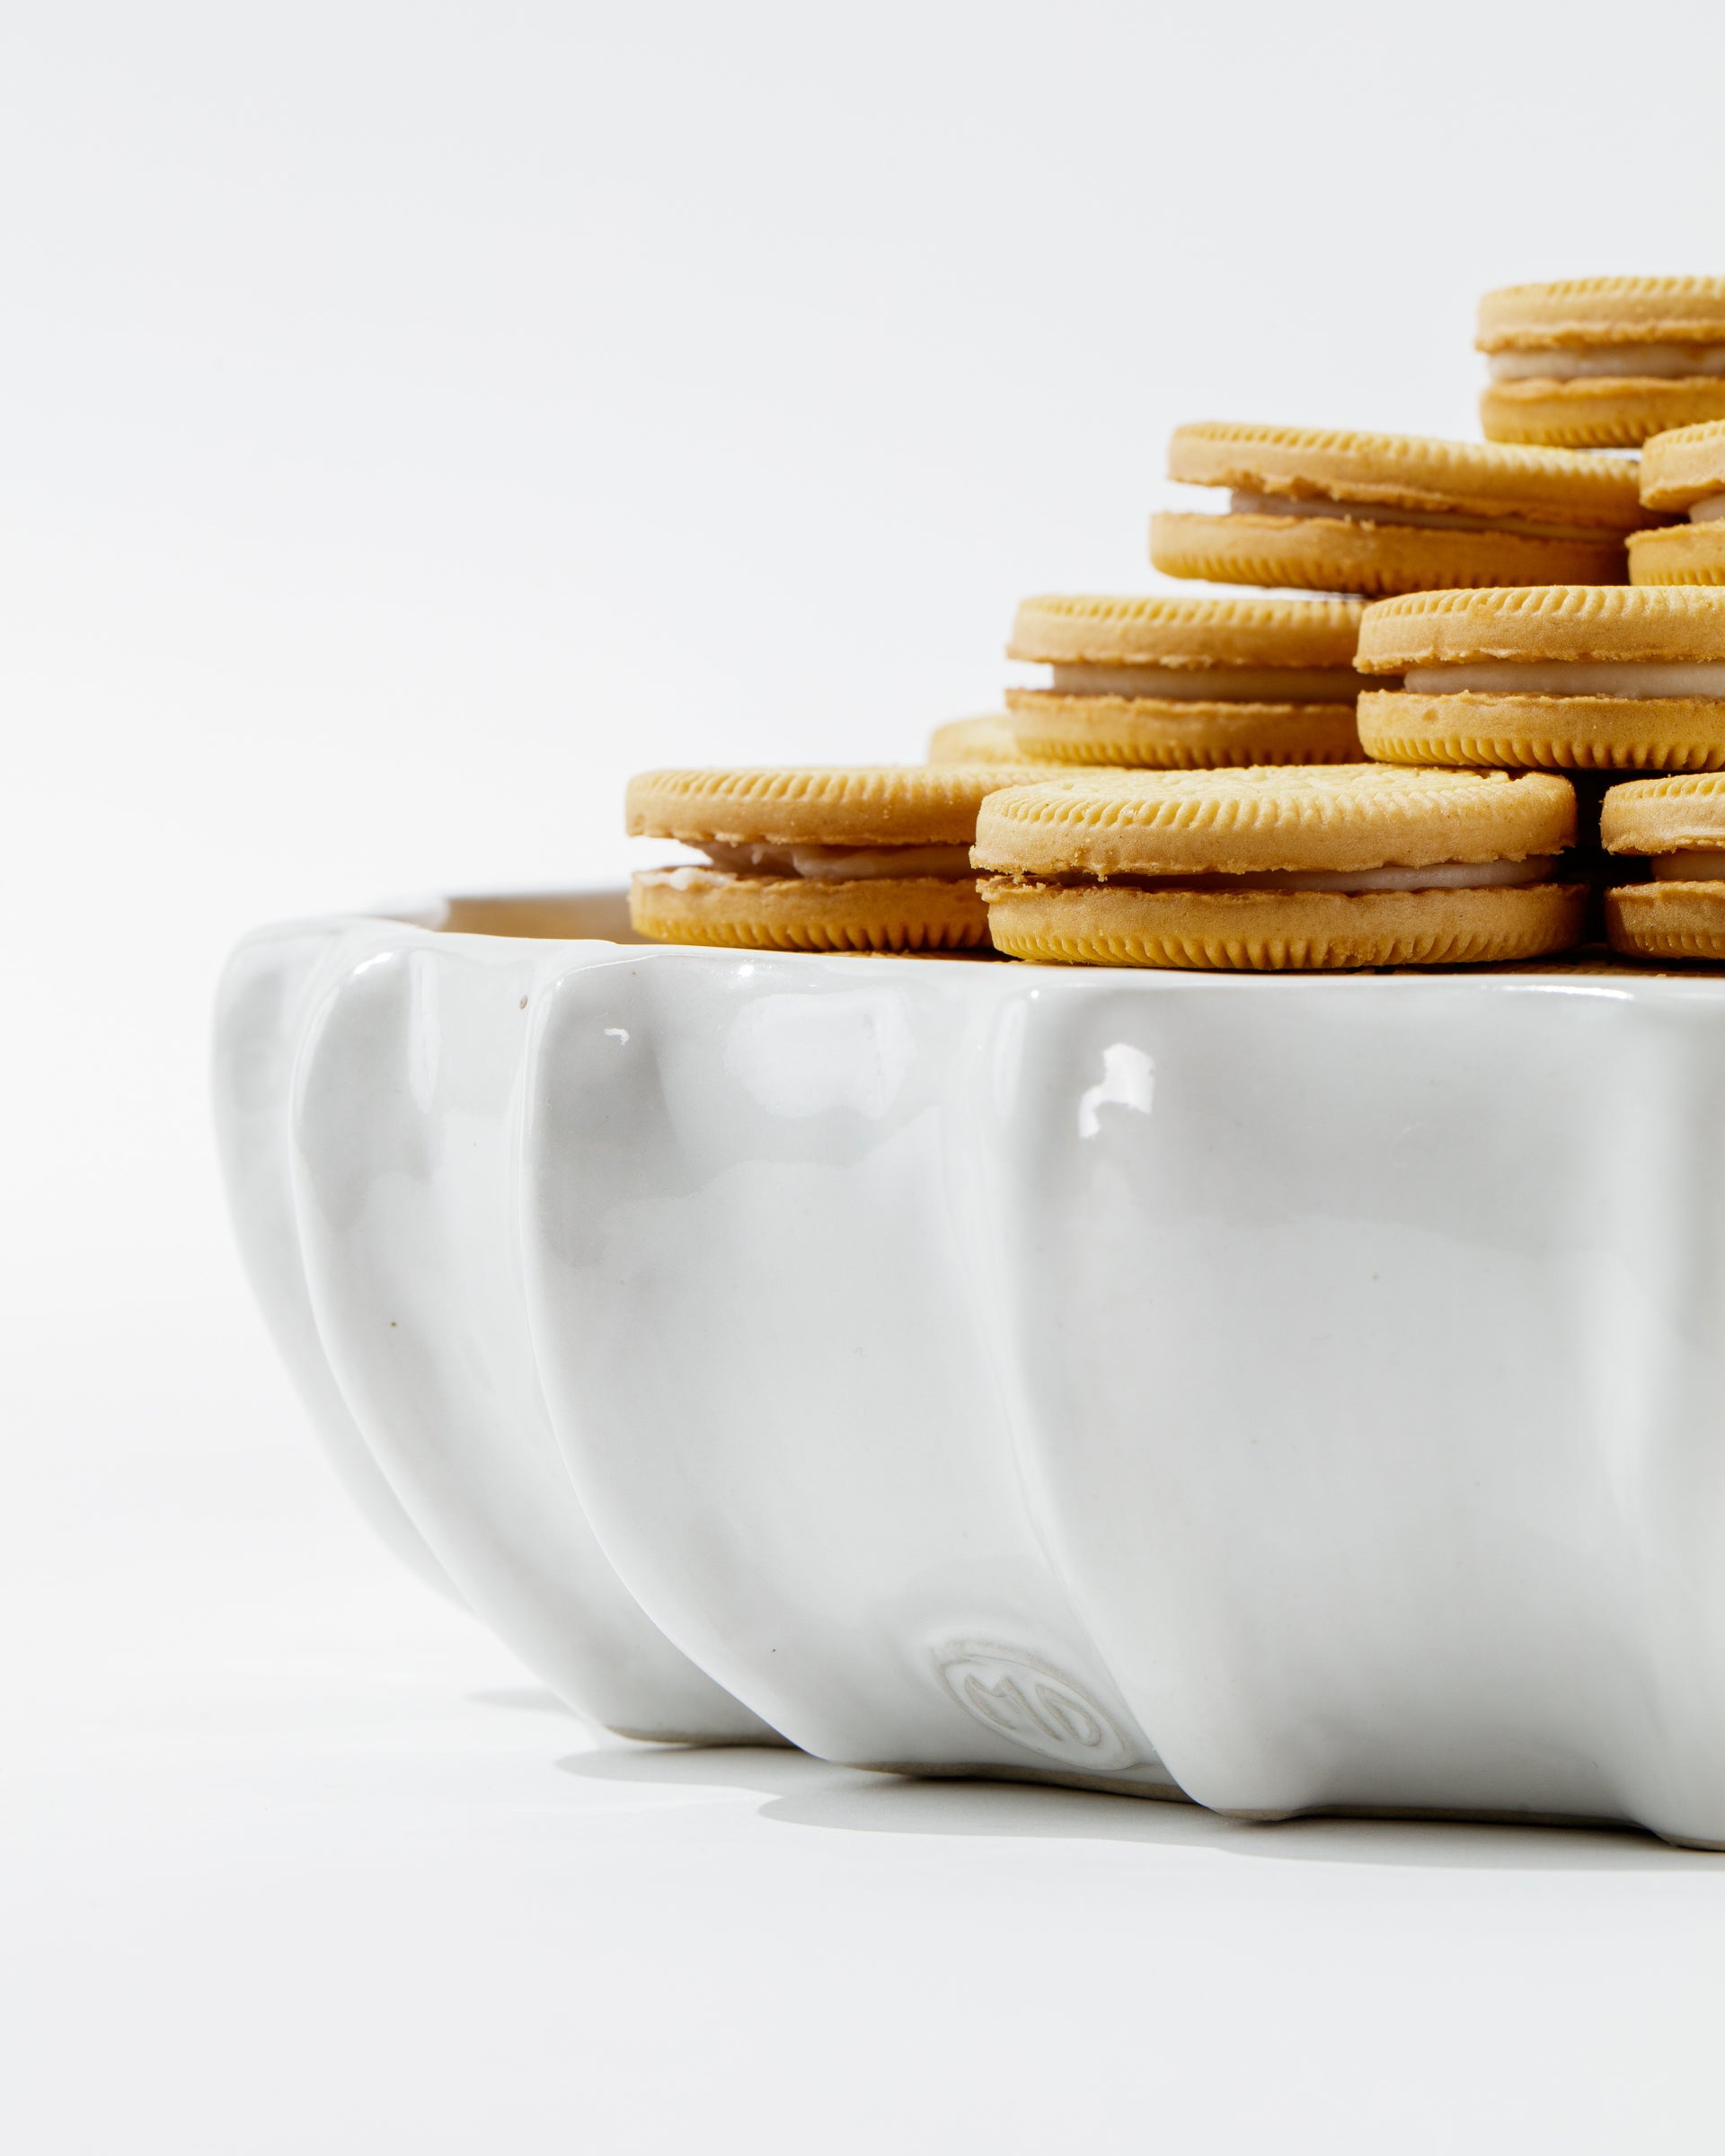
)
(1320, 868)
(1676, 826)
(788, 912)
(1325, 509)
(1565, 677)
(814, 857)
(1666, 919)
(1263, 932)
(1187, 683)
(1682, 554)
(841, 804)
(989, 740)
(1183, 735)
(1684, 467)
(1183, 631)
(1603, 362)
(1682, 813)
(1685, 471)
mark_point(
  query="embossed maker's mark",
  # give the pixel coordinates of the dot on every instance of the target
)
(1022, 1697)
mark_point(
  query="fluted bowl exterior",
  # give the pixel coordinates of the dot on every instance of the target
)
(1289, 1394)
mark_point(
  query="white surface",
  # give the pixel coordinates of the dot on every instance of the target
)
(416, 420)
(298, 1861)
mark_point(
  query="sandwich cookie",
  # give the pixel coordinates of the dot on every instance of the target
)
(865, 858)
(1685, 471)
(1356, 865)
(1382, 513)
(1567, 677)
(1602, 362)
(1677, 824)
(1187, 683)
(990, 739)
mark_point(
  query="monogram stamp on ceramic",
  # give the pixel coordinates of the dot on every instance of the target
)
(1016, 1694)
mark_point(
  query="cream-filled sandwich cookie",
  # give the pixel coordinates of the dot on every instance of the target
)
(1676, 825)
(1270, 870)
(1579, 678)
(1381, 513)
(1602, 362)
(859, 858)
(1682, 472)
(989, 740)
(1187, 684)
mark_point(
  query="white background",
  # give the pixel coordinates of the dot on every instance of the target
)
(415, 418)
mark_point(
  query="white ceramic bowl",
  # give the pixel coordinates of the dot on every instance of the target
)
(1291, 1393)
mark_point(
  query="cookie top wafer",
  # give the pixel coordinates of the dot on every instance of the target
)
(1178, 631)
(1343, 817)
(1603, 310)
(878, 804)
(1666, 815)
(1557, 487)
(1614, 622)
(1684, 466)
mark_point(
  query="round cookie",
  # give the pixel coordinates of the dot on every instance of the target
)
(1273, 870)
(863, 858)
(1666, 919)
(989, 740)
(1565, 677)
(1679, 826)
(1330, 510)
(1683, 471)
(774, 913)
(1602, 362)
(1185, 683)
(1684, 813)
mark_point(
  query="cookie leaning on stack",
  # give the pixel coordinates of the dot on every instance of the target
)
(861, 858)
(1187, 684)
(1384, 513)
(1570, 677)
(1683, 471)
(1269, 870)
(1602, 362)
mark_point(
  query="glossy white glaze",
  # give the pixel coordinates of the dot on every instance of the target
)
(368, 1077)
(1308, 1389)
(269, 988)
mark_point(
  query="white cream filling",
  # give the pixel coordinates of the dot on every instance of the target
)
(1572, 677)
(1708, 510)
(1700, 864)
(1211, 685)
(838, 864)
(1434, 520)
(1438, 876)
(1615, 362)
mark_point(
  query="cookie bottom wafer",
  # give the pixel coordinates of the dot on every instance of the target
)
(1544, 733)
(1598, 412)
(787, 913)
(1670, 920)
(1320, 553)
(1680, 553)
(1166, 735)
(1271, 931)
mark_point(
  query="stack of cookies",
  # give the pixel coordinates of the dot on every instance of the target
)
(1397, 748)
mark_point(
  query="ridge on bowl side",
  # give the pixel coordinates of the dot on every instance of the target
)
(268, 987)
(747, 1212)
(400, 1126)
